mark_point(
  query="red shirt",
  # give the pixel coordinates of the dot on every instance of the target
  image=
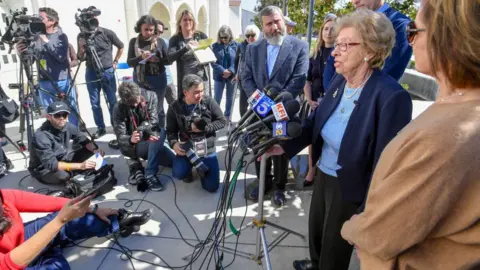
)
(14, 203)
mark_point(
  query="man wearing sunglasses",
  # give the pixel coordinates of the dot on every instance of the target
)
(52, 159)
(401, 54)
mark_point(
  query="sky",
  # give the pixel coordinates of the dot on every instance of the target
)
(249, 4)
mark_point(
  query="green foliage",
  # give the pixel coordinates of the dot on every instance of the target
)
(405, 86)
(406, 7)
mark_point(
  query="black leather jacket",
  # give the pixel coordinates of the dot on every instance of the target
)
(123, 124)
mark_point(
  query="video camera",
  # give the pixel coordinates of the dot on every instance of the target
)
(23, 28)
(86, 20)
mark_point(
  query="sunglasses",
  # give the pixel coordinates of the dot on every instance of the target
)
(250, 35)
(412, 32)
(223, 37)
(60, 115)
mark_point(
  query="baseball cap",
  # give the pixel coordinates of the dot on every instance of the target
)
(56, 107)
(289, 22)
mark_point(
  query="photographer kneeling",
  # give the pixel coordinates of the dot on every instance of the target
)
(135, 122)
(192, 122)
(51, 158)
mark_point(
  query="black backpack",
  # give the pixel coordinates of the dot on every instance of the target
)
(102, 181)
(8, 108)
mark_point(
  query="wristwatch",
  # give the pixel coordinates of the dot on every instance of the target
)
(95, 207)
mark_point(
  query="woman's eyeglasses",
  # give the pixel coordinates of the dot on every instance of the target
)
(412, 32)
(60, 115)
(344, 46)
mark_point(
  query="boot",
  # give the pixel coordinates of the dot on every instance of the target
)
(131, 221)
(136, 174)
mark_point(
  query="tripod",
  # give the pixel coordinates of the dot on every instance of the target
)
(262, 247)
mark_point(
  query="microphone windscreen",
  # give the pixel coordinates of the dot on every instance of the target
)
(294, 129)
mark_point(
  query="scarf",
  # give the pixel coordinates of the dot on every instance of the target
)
(140, 69)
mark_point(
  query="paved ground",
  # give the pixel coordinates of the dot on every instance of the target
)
(163, 234)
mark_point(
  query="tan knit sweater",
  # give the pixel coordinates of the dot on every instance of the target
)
(423, 206)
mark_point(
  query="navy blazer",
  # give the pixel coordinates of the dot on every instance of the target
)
(289, 72)
(401, 54)
(382, 110)
(219, 51)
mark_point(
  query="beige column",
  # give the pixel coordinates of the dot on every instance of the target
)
(131, 17)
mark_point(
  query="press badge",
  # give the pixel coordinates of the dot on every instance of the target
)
(200, 147)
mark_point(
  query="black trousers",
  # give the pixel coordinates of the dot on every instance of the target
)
(46, 176)
(328, 212)
(276, 175)
(243, 106)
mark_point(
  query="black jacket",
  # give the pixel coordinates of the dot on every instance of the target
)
(50, 145)
(177, 129)
(176, 49)
(122, 120)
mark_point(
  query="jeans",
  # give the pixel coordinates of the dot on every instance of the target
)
(51, 257)
(156, 154)
(94, 86)
(219, 86)
(158, 84)
(182, 167)
(47, 95)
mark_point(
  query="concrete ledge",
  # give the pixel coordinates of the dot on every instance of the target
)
(420, 85)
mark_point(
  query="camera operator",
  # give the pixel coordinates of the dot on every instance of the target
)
(103, 39)
(52, 161)
(192, 122)
(51, 51)
(135, 122)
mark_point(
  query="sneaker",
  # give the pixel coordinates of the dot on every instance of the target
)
(136, 177)
(3, 169)
(100, 132)
(278, 198)
(9, 165)
(154, 183)
(189, 178)
(114, 144)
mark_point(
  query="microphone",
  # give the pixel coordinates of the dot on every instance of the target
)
(284, 96)
(293, 129)
(291, 108)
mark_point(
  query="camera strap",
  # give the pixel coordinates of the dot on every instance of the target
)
(143, 105)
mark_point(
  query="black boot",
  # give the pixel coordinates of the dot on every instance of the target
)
(136, 174)
(131, 221)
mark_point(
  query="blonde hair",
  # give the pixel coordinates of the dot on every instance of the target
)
(453, 31)
(320, 42)
(179, 21)
(376, 31)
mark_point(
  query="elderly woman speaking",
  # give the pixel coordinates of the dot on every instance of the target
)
(362, 110)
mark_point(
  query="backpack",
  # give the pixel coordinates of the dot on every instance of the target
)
(103, 180)
(8, 108)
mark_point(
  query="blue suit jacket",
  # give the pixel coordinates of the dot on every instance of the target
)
(382, 110)
(401, 54)
(289, 72)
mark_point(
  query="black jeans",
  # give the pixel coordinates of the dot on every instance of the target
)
(279, 175)
(328, 212)
(48, 177)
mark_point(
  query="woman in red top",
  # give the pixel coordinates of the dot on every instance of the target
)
(37, 244)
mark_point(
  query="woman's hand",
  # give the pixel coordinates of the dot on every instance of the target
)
(75, 208)
(193, 44)
(146, 54)
(275, 150)
(87, 164)
(313, 104)
(104, 213)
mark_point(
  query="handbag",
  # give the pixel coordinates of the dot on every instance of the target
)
(8, 108)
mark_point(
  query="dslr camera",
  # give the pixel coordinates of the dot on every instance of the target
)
(86, 21)
(196, 119)
(146, 130)
(23, 27)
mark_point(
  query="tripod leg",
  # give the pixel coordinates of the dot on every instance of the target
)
(265, 248)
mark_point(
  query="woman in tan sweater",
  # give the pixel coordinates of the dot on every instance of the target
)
(423, 206)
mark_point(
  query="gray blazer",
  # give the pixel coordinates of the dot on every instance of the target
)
(289, 72)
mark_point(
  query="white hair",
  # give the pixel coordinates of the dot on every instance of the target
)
(252, 29)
